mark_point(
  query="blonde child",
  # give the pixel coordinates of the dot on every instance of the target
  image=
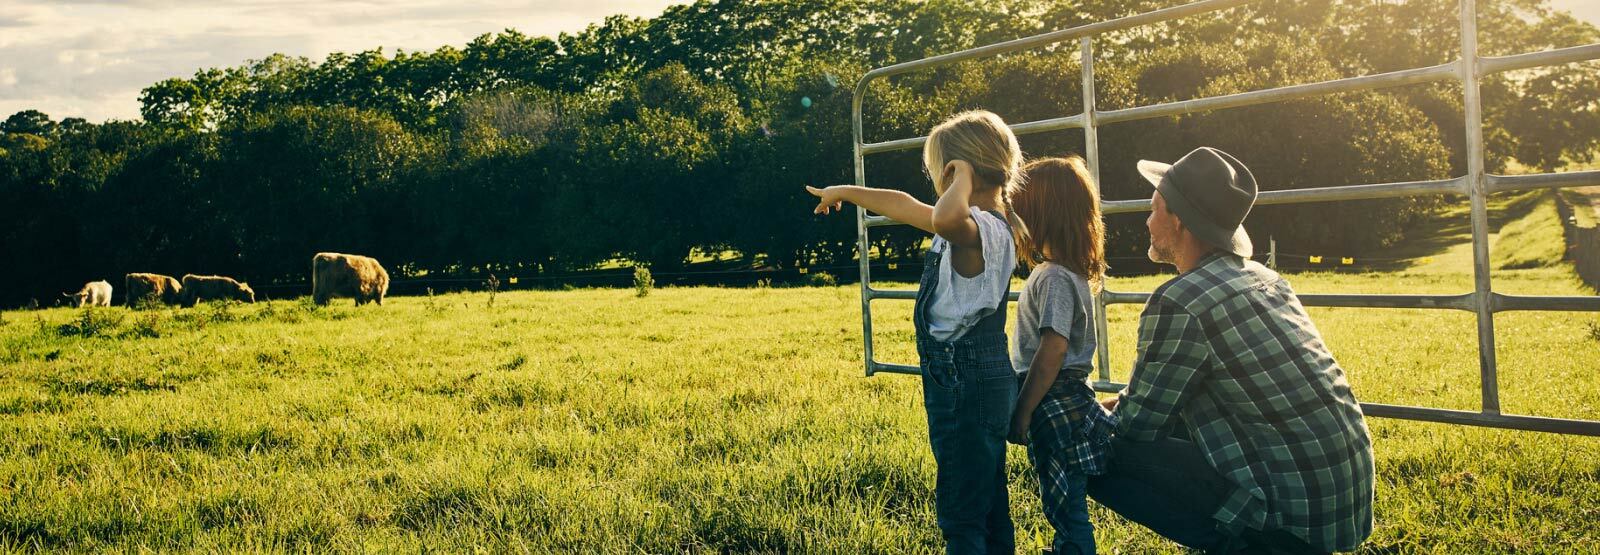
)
(968, 385)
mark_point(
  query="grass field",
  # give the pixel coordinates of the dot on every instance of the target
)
(692, 419)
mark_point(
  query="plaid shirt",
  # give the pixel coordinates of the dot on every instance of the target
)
(1071, 426)
(1227, 351)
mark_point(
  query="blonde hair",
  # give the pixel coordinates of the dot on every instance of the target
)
(982, 139)
(1060, 203)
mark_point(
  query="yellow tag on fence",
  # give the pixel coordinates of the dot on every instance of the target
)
(893, 265)
(513, 280)
(1347, 261)
(803, 270)
(1316, 260)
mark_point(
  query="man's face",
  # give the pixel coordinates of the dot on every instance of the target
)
(1164, 229)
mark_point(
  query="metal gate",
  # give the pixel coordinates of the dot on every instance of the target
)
(1476, 184)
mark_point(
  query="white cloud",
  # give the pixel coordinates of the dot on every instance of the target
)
(1586, 10)
(90, 58)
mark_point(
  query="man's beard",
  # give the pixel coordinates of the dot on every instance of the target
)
(1157, 255)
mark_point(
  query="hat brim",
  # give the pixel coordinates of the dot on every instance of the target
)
(1153, 171)
(1235, 241)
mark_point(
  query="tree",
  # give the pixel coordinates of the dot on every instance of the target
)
(32, 122)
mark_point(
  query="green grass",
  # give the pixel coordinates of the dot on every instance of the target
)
(1527, 242)
(693, 419)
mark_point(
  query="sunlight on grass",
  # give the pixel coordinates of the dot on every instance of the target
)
(693, 419)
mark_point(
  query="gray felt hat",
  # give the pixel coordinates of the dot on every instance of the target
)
(1211, 192)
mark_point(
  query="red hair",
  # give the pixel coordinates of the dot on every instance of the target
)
(1060, 205)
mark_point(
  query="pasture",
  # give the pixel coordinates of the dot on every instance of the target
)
(692, 419)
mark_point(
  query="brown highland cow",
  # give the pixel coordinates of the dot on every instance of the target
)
(155, 287)
(347, 275)
(209, 288)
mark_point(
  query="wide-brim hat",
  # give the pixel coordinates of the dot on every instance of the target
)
(1211, 192)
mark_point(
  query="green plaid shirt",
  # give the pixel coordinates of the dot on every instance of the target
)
(1227, 351)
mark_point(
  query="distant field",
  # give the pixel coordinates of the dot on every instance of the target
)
(693, 419)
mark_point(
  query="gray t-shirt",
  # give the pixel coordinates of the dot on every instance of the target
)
(1058, 299)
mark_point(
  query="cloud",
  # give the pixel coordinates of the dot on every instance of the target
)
(1586, 10)
(90, 58)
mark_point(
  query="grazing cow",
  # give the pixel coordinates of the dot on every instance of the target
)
(94, 293)
(154, 287)
(207, 288)
(347, 275)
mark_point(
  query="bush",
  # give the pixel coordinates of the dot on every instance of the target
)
(222, 311)
(146, 325)
(642, 282)
(91, 322)
(822, 279)
(147, 301)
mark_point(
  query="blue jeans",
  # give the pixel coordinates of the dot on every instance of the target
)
(1167, 486)
(968, 392)
(1066, 505)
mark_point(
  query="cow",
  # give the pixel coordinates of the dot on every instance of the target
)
(207, 288)
(94, 293)
(347, 275)
(152, 288)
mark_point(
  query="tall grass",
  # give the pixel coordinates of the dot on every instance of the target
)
(693, 419)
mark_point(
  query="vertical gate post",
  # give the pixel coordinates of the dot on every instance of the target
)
(1483, 298)
(861, 231)
(1091, 154)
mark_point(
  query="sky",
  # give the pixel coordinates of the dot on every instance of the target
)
(90, 58)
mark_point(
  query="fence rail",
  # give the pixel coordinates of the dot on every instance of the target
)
(1476, 185)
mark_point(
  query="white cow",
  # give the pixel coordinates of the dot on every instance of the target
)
(94, 293)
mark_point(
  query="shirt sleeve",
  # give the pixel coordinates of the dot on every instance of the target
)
(1057, 299)
(1173, 359)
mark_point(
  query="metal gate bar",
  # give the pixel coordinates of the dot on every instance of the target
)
(1476, 185)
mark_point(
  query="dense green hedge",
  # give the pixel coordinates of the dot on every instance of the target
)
(643, 139)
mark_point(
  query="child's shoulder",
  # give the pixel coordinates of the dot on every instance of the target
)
(1049, 273)
(1051, 270)
(987, 218)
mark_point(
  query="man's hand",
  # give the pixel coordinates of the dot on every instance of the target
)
(1019, 428)
(1110, 404)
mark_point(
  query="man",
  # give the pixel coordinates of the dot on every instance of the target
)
(1238, 431)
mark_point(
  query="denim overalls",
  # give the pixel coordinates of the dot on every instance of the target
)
(968, 390)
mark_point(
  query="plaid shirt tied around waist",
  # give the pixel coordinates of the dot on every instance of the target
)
(1074, 426)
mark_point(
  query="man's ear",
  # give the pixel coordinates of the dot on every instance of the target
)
(1184, 234)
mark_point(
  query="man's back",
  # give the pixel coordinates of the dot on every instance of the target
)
(1228, 350)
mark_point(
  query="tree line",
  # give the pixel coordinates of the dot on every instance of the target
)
(646, 139)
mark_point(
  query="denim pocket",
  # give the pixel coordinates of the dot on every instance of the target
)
(941, 372)
(997, 397)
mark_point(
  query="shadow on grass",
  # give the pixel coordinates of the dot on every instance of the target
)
(1449, 227)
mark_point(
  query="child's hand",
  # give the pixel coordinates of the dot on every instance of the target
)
(1019, 428)
(1110, 404)
(955, 171)
(832, 198)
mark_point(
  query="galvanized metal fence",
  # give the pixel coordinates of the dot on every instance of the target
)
(1476, 185)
